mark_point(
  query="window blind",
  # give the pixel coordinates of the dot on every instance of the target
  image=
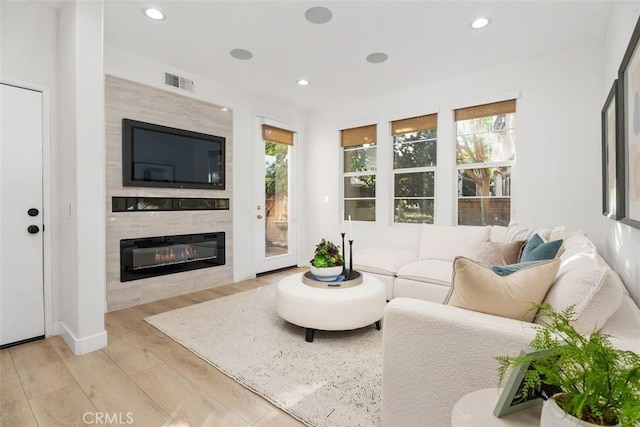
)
(493, 109)
(414, 124)
(274, 134)
(358, 136)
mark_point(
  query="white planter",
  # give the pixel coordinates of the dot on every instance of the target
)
(326, 274)
(553, 416)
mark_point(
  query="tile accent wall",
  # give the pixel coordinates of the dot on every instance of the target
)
(127, 99)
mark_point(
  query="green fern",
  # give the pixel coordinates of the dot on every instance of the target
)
(600, 384)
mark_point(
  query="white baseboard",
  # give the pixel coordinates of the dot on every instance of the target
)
(84, 345)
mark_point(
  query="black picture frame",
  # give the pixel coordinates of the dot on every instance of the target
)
(511, 398)
(629, 95)
(613, 193)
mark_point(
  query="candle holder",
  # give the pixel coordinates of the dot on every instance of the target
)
(344, 260)
(350, 259)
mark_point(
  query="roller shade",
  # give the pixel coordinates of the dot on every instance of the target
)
(414, 124)
(493, 109)
(274, 134)
(358, 136)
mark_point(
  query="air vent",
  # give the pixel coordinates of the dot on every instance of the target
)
(177, 81)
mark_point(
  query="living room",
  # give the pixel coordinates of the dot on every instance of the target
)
(559, 98)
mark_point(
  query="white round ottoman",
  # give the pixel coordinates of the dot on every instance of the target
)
(331, 308)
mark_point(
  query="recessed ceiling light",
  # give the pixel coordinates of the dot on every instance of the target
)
(376, 58)
(480, 23)
(224, 109)
(318, 15)
(153, 13)
(303, 82)
(241, 54)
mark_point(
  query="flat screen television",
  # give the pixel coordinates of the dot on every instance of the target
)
(161, 156)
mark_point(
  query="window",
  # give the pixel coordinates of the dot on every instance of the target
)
(359, 146)
(485, 152)
(414, 169)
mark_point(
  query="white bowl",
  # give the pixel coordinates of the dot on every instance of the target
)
(326, 274)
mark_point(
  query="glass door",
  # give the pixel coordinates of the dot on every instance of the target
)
(275, 207)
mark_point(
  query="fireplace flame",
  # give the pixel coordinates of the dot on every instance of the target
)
(175, 253)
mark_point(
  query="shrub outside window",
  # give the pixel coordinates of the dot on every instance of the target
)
(414, 169)
(360, 155)
(485, 155)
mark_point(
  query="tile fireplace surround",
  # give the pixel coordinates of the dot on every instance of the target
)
(126, 99)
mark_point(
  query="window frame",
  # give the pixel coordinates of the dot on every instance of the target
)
(416, 169)
(491, 164)
(352, 146)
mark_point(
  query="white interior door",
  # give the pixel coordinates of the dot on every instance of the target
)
(276, 200)
(21, 224)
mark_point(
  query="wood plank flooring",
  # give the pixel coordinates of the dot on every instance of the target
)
(142, 378)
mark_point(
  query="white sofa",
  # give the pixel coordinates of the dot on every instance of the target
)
(434, 354)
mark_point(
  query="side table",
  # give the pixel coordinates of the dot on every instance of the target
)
(476, 409)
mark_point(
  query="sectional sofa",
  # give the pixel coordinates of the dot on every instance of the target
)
(447, 319)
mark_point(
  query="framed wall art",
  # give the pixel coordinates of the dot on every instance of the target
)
(612, 157)
(629, 76)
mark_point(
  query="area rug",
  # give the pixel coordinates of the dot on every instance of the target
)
(335, 381)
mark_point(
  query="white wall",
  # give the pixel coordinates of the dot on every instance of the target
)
(621, 247)
(82, 190)
(557, 175)
(29, 27)
(60, 53)
(121, 64)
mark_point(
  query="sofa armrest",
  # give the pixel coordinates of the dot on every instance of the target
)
(434, 354)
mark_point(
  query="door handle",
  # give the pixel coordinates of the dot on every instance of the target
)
(259, 217)
(33, 229)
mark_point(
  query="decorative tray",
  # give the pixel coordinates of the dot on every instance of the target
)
(340, 282)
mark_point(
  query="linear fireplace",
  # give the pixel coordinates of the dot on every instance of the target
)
(156, 256)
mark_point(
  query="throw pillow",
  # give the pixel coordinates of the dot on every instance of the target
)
(505, 270)
(518, 232)
(537, 250)
(594, 292)
(477, 287)
(492, 253)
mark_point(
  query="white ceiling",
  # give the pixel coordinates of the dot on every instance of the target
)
(425, 41)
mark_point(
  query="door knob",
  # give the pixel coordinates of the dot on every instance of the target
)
(33, 229)
(33, 212)
(259, 217)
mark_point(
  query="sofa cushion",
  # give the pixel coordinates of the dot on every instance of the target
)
(518, 232)
(537, 250)
(427, 270)
(446, 242)
(595, 293)
(498, 233)
(493, 253)
(477, 287)
(384, 261)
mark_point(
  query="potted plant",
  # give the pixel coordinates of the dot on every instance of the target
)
(600, 384)
(327, 262)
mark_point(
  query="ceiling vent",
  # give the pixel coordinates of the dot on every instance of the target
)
(179, 82)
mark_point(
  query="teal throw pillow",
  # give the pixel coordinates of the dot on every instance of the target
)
(505, 270)
(537, 250)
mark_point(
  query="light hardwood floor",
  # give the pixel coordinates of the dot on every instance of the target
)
(142, 378)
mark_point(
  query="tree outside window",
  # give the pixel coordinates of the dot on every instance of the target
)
(360, 156)
(485, 152)
(414, 161)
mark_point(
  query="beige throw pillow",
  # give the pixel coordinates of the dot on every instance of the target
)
(476, 287)
(492, 253)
